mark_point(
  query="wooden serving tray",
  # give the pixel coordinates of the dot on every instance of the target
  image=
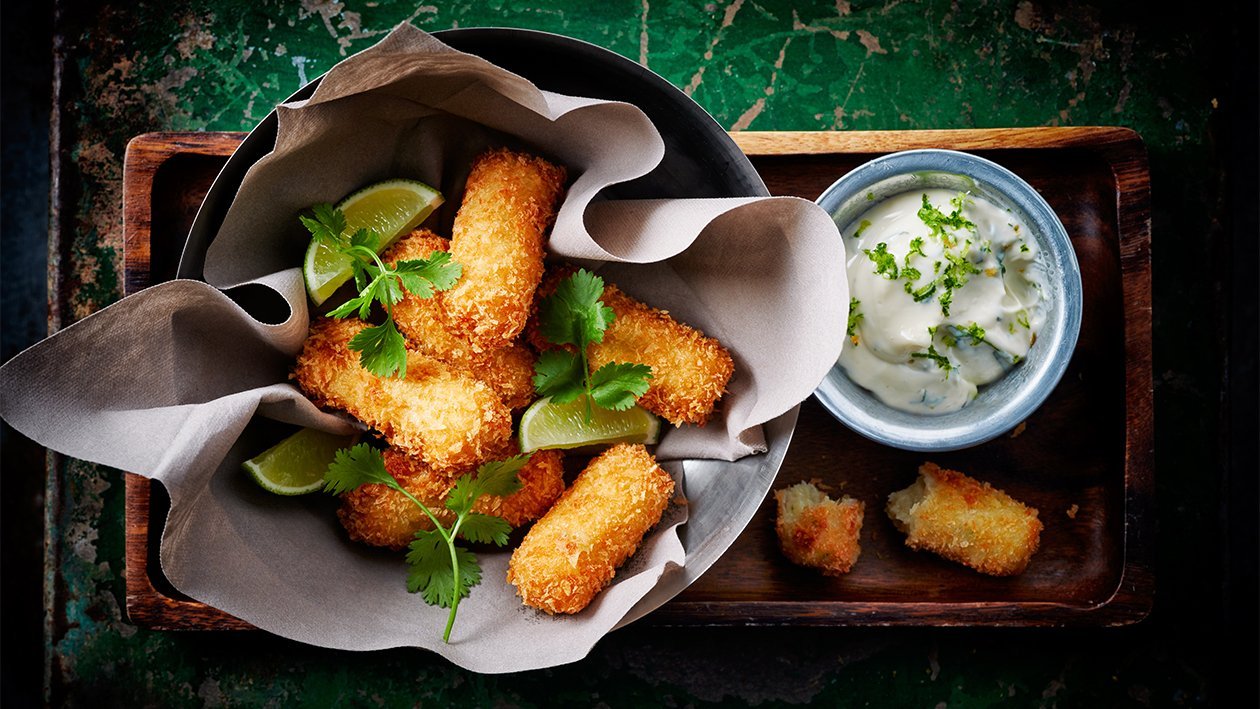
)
(1085, 459)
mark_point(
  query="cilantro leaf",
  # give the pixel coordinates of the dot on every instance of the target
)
(923, 292)
(855, 317)
(352, 467)
(431, 574)
(439, 269)
(382, 350)
(350, 306)
(616, 385)
(574, 314)
(916, 247)
(560, 375)
(885, 262)
(498, 477)
(941, 360)
(937, 221)
(387, 291)
(485, 529)
(364, 237)
(327, 225)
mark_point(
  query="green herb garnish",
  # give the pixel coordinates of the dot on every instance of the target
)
(937, 221)
(885, 262)
(381, 348)
(862, 226)
(855, 318)
(1022, 318)
(921, 293)
(441, 571)
(955, 276)
(941, 360)
(916, 247)
(574, 315)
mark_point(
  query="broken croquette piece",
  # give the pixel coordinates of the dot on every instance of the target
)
(815, 530)
(689, 370)
(377, 515)
(574, 550)
(509, 370)
(967, 521)
(437, 412)
(509, 204)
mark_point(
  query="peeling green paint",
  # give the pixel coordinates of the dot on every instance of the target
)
(145, 66)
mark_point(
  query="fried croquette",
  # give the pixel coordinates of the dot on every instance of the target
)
(437, 412)
(508, 370)
(377, 515)
(815, 530)
(509, 204)
(689, 370)
(574, 550)
(967, 521)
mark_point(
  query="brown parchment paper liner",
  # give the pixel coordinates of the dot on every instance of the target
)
(167, 383)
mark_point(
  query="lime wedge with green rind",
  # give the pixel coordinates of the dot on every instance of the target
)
(390, 208)
(296, 465)
(548, 425)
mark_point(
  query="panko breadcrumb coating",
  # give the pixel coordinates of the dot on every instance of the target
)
(374, 514)
(439, 413)
(509, 370)
(508, 206)
(967, 521)
(815, 530)
(574, 550)
(689, 370)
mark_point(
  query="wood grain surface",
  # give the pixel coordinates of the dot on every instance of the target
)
(1089, 447)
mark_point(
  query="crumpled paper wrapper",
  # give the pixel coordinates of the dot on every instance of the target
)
(168, 382)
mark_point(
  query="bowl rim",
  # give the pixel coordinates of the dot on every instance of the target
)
(1048, 370)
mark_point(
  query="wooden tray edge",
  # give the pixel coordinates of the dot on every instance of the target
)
(1131, 602)
(145, 605)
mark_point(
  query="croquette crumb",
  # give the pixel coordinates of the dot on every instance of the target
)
(816, 531)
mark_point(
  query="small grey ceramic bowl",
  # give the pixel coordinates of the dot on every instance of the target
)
(1001, 405)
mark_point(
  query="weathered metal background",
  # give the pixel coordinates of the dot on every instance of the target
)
(124, 68)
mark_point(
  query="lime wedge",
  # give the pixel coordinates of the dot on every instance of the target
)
(548, 425)
(390, 208)
(296, 465)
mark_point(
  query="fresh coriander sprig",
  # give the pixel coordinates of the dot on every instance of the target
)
(381, 348)
(440, 570)
(574, 315)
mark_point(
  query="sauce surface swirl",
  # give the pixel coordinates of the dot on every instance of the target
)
(946, 297)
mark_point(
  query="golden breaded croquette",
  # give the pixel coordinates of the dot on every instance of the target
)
(509, 370)
(815, 530)
(689, 370)
(509, 204)
(437, 412)
(967, 521)
(574, 550)
(377, 515)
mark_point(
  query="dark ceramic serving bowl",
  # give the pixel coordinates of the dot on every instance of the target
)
(700, 161)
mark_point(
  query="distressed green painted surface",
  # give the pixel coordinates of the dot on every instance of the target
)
(132, 68)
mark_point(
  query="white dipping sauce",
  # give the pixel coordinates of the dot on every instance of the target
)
(944, 300)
